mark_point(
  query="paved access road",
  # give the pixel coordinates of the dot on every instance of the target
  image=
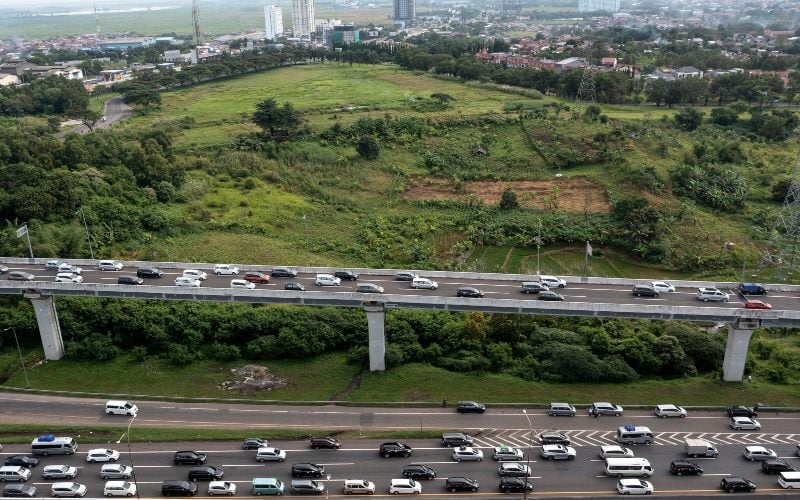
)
(496, 289)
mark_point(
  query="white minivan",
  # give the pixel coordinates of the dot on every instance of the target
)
(227, 269)
(109, 265)
(186, 281)
(618, 467)
(327, 280)
(789, 480)
(424, 283)
(115, 407)
(119, 489)
(195, 273)
(10, 473)
(242, 284)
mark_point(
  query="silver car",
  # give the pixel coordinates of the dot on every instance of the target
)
(558, 452)
(116, 471)
(59, 472)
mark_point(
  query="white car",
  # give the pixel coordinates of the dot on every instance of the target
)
(513, 469)
(67, 490)
(116, 471)
(109, 265)
(745, 424)
(186, 281)
(243, 284)
(102, 455)
(221, 488)
(553, 281)
(614, 451)
(759, 453)
(327, 280)
(59, 472)
(66, 268)
(69, 278)
(407, 486)
(558, 452)
(269, 454)
(226, 269)
(663, 287)
(503, 453)
(631, 486)
(196, 274)
(119, 489)
(665, 411)
(467, 453)
(712, 294)
(425, 283)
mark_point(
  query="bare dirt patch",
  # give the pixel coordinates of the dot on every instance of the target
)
(574, 194)
(253, 378)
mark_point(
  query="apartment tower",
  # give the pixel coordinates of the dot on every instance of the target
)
(273, 20)
(303, 17)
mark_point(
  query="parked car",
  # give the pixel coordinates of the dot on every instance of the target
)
(468, 291)
(149, 272)
(615, 451)
(605, 409)
(116, 471)
(22, 461)
(685, 468)
(283, 272)
(711, 294)
(774, 466)
(757, 304)
(515, 485)
(737, 483)
(557, 452)
(387, 450)
(59, 472)
(741, 411)
(254, 443)
(129, 280)
(109, 265)
(221, 488)
(663, 286)
(294, 285)
(307, 487)
(404, 276)
(553, 281)
(256, 277)
(19, 490)
(369, 288)
(507, 453)
(461, 483)
(634, 486)
(533, 287)
(344, 274)
(752, 289)
(189, 458)
(226, 269)
(745, 424)
(753, 453)
(247, 285)
(552, 437)
(69, 278)
(102, 455)
(307, 469)
(470, 407)
(513, 469)
(325, 442)
(67, 489)
(205, 473)
(419, 471)
(451, 439)
(551, 296)
(404, 486)
(665, 411)
(467, 453)
(561, 409)
(20, 276)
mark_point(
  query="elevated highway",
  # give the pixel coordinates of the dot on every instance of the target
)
(584, 297)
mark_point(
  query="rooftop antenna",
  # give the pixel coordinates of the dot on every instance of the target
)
(198, 33)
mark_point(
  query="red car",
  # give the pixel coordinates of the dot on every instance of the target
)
(256, 277)
(757, 304)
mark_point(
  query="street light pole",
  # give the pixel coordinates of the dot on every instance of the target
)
(528, 461)
(327, 486)
(88, 235)
(538, 245)
(21, 359)
(305, 230)
(130, 457)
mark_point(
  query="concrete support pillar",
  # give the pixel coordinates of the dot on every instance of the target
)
(376, 321)
(739, 334)
(49, 330)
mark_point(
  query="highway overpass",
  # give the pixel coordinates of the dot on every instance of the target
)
(584, 297)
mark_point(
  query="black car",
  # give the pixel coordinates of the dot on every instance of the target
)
(21, 276)
(461, 483)
(205, 473)
(254, 443)
(741, 411)
(685, 468)
(752, 289)
(283, 272)
(645, 291)
(189, 458)
(149, 272)
(550, 295)
(736, 483)
(468, 291)
(451, 439)
(775, 466)
(129, 280)
(346, 275)
(307, 470)
(419, 471)
(22, 460)
(395, 450)
(404, 276)
(19, 490)
(470, 407)
(171, 488)
(325, 442)
(534, 287)
(515, 485)
(293, 285)
(551, 437)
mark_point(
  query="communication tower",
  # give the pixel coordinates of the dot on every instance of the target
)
(198, 33)
(586, 89)
(96, 21)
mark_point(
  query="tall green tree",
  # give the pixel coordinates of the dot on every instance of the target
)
(272, 118)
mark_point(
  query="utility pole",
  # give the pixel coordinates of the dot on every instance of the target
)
(538, 246)
(88, 235)
(21, 359)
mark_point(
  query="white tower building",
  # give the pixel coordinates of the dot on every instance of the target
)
(273, 20)
(303, 17)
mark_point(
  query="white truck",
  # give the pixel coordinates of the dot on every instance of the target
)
(700, 448)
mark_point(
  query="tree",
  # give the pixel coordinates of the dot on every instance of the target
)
(368, 147)
(143, 98)
(441, 98)
(88, 117)
(508, 200)
(271, 118)
(688, 119)
(724, 116)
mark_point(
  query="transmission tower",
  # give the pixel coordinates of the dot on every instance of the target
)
(782, 251)
(96, 21)
(586, 91)
(198, 33)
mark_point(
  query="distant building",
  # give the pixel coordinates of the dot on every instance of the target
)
(6, 80)
(344, 35)
(273, 20)
(125, 43)
(404, 12)
(598, 6)
(302, 18)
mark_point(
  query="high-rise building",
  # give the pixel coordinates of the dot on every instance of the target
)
(302, 17)
(405, 11)
(273, 20)
(598, 5)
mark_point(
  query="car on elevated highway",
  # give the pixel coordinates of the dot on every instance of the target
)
(226, 269)
(774, 466)
(645, 291)
(369, 288)
(344, 274)
(405, 486)
(533, 287)
(195, 274)
(109, 265)
(221, 488)
(129, 280)
(419, 471)
(69, 278)
(187, 281)
(256, 277)
(66, 268)
(247, 285)
(712, 295)
(149, 272)
(553, 281)
(270, 454)
(469, 291)
(737, 483)
(283, 272)
(553, 437)
(294, 285)
(59, 472)
(21, 276)
(663, 286)
(3, 269)
(254, 443)
(757, 304)
(551, 296)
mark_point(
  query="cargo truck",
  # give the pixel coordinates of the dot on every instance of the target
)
(700, 448)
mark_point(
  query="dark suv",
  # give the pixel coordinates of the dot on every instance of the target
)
(419, 471)
(254, 443)
(533, 287)
(451, 439)
(283, 272)
(395, 450)
(461, 483)
(741, 411)
(775, 466)
(552, 437)
(149, 272)
(346, 275)
(645, 291)
(189, 458)
(752, 289)
(178, 489)
(307, 470)
(515, 485)
(129, 280)
(468, 291)
(205, 473)
(736, 483)
(325, 442)
(470, 407)
(685, 467)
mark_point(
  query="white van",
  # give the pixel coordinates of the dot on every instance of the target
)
(424, 283)
(119, 489)
(109, 265)
(115, 407)
(225, 269)
(634, 434)
(618, 467)
(186, 281)
(12, 473)
(789, 480)
(195, 273)
(327, 280)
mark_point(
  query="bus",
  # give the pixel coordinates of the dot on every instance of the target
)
(49, 444)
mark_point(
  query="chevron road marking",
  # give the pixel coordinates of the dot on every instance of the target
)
(518, 438)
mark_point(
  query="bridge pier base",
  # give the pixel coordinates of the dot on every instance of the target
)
(49, 330)
(739, 334)
(376, 321)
